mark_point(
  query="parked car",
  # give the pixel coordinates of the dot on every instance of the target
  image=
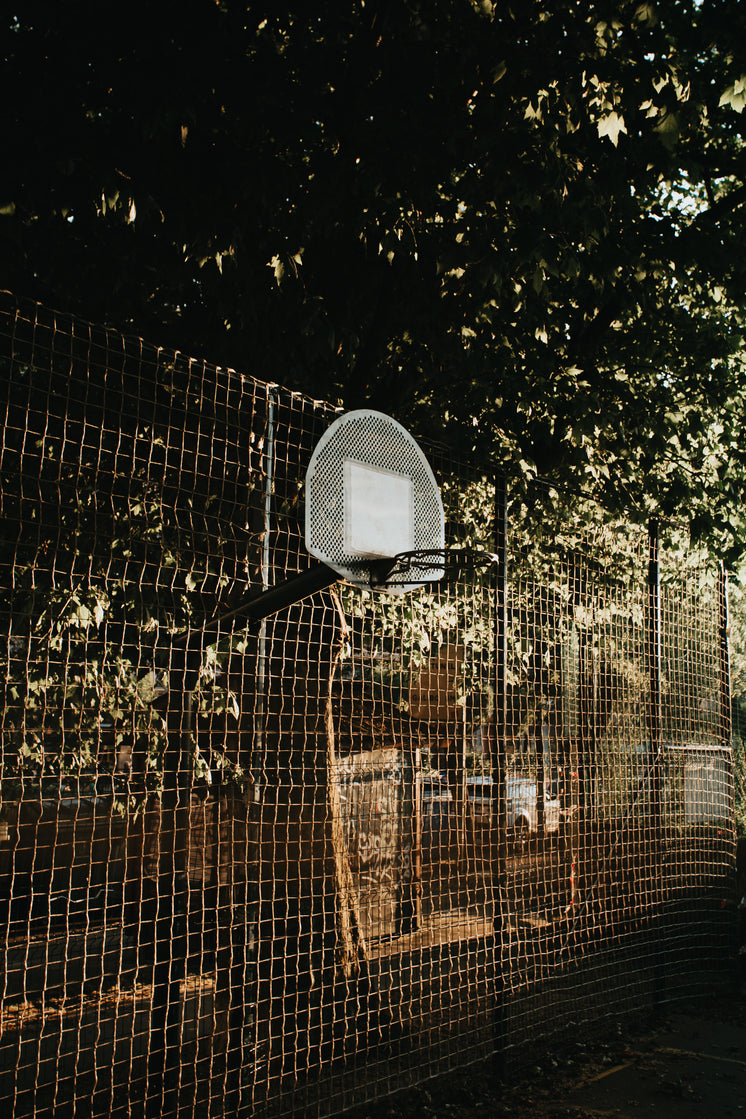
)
(521, 796)
(439, 820)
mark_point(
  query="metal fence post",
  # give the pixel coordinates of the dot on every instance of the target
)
(654, 644)
(726, 710)
(655, 728)
(499, 770)
(725, 729)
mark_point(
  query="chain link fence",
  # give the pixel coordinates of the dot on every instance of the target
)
(291, 864)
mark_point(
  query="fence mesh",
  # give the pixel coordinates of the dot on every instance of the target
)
(289, 865)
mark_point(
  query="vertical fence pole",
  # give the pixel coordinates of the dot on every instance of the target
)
(499, 771)
(726, 710)
(725, 736)
(655, 708)
(655, 656)
(238, 957)
(588, 706)
(655, 729)
(238, 948)
(266, 522)
(573, 797)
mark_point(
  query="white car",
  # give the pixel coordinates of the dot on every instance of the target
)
(521, 799)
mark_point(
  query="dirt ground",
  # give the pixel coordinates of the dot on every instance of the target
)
(687, 1063)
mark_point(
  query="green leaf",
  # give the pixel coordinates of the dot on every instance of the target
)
(610, 126)
(735, 95)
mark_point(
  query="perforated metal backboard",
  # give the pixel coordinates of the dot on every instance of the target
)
(371, 495)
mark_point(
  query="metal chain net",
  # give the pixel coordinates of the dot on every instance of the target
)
(290, 865)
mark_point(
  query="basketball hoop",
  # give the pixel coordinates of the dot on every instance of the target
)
(374, 517)
(372, 497)
(439, 560)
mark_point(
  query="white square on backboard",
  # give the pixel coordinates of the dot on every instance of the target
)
(379, 511)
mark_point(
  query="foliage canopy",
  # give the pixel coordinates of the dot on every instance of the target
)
(517, 225)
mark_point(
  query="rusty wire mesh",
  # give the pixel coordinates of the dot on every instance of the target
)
(294, 864)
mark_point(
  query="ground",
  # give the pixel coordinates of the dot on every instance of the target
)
(689, 1062)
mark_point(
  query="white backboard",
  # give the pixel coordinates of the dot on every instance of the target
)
(370, 496)
(378, 511)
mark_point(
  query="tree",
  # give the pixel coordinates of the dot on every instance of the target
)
(517, 222)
